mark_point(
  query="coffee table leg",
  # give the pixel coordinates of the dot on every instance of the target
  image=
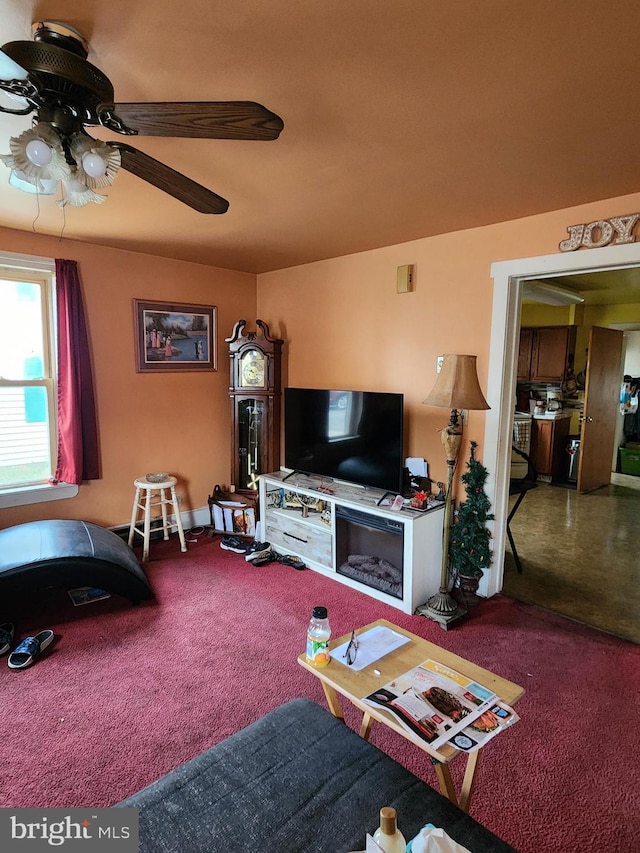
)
(469, 780)
(365, 726)
(333, 702)
(446, 782)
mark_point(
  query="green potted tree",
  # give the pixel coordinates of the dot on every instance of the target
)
(469, 551)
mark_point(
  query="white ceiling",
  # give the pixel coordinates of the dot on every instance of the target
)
(403, 119)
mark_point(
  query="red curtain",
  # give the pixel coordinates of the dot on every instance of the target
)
(78, 453)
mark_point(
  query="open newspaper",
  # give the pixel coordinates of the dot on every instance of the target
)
(435, 702)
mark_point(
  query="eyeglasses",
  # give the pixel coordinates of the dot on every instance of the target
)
(352, 649)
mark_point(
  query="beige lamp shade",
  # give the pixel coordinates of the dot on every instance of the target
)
(457, 385)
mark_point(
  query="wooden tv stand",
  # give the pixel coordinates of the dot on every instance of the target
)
(296, 526)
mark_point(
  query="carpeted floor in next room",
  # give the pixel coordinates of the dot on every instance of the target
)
(127, 693)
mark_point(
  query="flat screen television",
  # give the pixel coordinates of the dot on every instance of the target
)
(356, 436)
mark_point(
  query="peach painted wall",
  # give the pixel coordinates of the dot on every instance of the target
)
(347, 327)
(176, 422)
(343, 323)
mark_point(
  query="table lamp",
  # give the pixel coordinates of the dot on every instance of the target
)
(457, 388)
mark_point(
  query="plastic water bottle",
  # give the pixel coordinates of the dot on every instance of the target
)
(318, 635)
(388, 837)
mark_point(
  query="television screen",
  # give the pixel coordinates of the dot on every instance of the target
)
(346, 435)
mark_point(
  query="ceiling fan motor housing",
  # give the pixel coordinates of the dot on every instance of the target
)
(64, 78)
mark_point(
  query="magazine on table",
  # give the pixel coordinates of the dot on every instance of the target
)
(433, 701)
(485, 727)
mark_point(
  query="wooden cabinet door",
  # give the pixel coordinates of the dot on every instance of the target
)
(542, 446)
(550, 353)
(524, 353)
(559, 460)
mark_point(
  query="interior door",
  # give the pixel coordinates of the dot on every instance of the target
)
(601, 402)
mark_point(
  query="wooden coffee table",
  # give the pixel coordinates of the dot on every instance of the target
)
(337, 678)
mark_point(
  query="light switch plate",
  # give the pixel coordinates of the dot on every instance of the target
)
(405, 278)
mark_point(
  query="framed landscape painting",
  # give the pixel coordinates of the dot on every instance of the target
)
(171, 336)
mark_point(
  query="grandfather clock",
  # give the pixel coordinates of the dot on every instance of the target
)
(255, 393)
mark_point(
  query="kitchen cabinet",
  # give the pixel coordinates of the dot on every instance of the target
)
(545, 353)
(549, 440)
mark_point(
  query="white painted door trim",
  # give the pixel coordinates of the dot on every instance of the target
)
(508, 277)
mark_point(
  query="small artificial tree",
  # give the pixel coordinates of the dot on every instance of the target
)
(469, 552)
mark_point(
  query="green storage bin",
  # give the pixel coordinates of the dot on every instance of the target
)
(630, 461)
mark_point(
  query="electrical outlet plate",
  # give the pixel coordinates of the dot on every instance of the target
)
(439, 361)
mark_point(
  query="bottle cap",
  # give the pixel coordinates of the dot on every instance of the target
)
(319, 612)
(388, 820)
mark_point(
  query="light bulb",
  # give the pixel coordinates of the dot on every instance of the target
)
(38, 152)
(93, 164)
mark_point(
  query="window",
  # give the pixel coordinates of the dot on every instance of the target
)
(27, 419)
(27, 381)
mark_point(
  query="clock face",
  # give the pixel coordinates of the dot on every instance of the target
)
(252, 366)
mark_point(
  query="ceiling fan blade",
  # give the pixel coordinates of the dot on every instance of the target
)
(169, 181)
(202, 119)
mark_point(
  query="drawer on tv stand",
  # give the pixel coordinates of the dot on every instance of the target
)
(305, 540)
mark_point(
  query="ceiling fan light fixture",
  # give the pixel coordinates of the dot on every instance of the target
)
(550, 294)
(37, 154)
(96, 162)
(78, 194)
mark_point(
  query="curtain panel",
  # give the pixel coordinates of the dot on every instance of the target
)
(78, 450)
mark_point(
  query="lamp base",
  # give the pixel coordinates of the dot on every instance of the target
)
(443, 609)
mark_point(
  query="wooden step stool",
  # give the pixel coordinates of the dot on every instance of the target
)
(148, 495)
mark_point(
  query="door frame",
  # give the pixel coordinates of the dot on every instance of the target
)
(508, 278)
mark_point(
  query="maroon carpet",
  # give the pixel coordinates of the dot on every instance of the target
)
(126, 693)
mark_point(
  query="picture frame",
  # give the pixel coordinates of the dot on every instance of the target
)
(174, 336)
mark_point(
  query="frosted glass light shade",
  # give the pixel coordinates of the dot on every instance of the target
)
(38, 154)
(96, 162)
(551, 294)
(78, 194)
(9, 68)
(36, 186)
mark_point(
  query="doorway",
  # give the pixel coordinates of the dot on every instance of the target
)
(575, 549)
(509, 277)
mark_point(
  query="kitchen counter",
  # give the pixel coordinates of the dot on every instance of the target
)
(549, 438)
(552, 416)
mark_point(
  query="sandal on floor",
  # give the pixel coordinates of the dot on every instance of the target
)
(6, 637)
(29, 649)
(290, 560)
(264, 559)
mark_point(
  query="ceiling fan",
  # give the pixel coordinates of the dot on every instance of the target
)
(51, 78)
